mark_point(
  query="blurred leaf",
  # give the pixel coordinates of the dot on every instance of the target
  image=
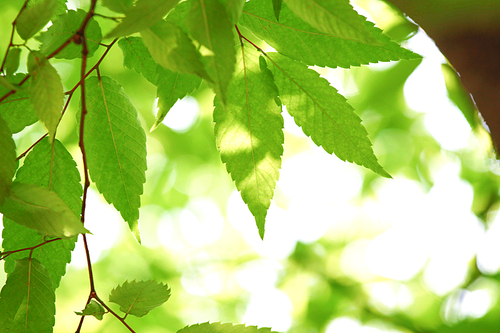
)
(12, 61)
(119, 6)
(222, 328)
(27, 300)
(323, 114)
(16, 109)
(277, 8)
(249, 131)
(63, 28)
(294, 38)
(234, 9)
(208, 23)
(115, 145)
(143, 15)
(7, 160)
(138, 298)
(45, 91)
(34, 18)
(136, 56)
(42, 210)
(94, 308)
(44, 167)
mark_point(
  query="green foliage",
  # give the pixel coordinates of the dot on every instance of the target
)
(93, 309)
(7, 160)
(34, 18)
(138, 298)
(12, 61)
(17, 109)
(222, 328)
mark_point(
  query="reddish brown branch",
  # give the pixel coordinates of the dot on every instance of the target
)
(5, 254)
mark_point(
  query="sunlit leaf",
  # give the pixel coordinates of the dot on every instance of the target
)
(249, 133)
(45, 91)
(298, 40)
(94, 308)
(12, 61)
(44, 167)
(223, 328)
(7, 159)
(42, 210)
(27, 300)
(63, 28)
(119, 6)
(34, 18)
(323, 114)
(208, 23)
(143, 15)
(136, 56)
(138, 298)
(116, 146)
(234, 9)
(16, 109)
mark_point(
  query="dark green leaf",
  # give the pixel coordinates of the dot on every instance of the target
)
(65, 181)
(16, 109)
(208, 23)
(45, 91)
(298, 40)
(138, 298)
(42, 210)
(173, 49)
(7, 159)
(12, 61)
(277, 8)
(63, 28)
(172, 87)
(143, 15)
(116, 146)
(234, 9)
(249, 133)
(119, 6)
(34, 18)
(136, 56)
(27, 300)
(94, 308)
(323, 114)
(223, 328)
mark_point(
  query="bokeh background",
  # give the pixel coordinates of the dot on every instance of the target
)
(345, 250)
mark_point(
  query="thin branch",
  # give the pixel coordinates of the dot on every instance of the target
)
(5, 254)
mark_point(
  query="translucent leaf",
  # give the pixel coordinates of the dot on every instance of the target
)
(65, 181)
(234, 9)
(7, 159)
(223, 328)
(12, 61)
(116, 146)
(119, 6)
(143, 15)
(172, 87)
(61, 5)
(277, 8)
(42, 210)
(34, 18)
(173, 49)
(334, 17)
(249, 133)
(27, 300)
(16, 109)
(45, 91)
(208, 23)
(138, 298)
(298, 40)
(136, 56)
(63, 28)
(94, 308)
(323, 114)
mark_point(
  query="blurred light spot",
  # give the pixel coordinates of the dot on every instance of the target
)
(464, 304)
(269, 308)
(201, 222)
(488, 260)
(183, 114)
(353, 262)
(389, 297)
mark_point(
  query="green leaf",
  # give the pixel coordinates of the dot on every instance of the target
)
(234, 9)
(223, 328)
(143, 15)
(277, 8)
(208, 23)
(34, 18)
(42, 210)
(334, 17)
(7, 159)
(94, 308)
(249, 133)
(173, 49)
(45, 91)
(119, 6)
(172, 87)
(298, 40)
(27, 300)
(323, 114)
(42, 167)
(116, 146)
(138, 298)
(16, 109)
(12, 61)
(63, 28)
(136, 56)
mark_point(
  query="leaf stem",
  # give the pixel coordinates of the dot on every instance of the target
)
(5, 254)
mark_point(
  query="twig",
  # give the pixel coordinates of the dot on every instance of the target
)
(5, 254)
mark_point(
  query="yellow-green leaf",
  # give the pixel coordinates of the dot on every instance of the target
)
(34, 18)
